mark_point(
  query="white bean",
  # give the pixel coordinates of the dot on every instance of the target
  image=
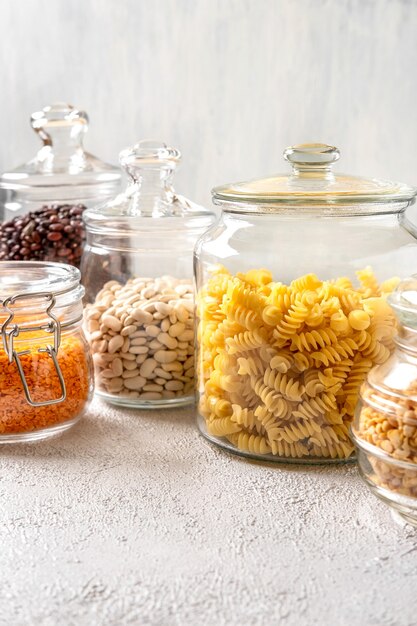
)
(155, 345)
(131, 373)
(163, 308)
(138, 333)
(117, 366)
(172, 367)
(150, 395)
(129, 365)
(177, 329)
(127, 356)
(167, 340)
(112, 322)
(142, 336)
(187, 335)
(168, 394)
(147, 367)
(115, 384)
(165, 356)
(139, 349)
(153, 331)
(182, 289)
(135, 383)
(153, 387)
(93, 325)
(165, 324)
(181, 313)
(138, 341)
(142, 317)
(128, 330)
(115, 343)
(162, 373)
(107, 374)
(174, 385)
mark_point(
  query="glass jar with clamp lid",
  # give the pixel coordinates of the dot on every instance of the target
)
(45, 372)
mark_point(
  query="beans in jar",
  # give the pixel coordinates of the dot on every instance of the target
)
(389, 422)
(53, 233)
(142, 339)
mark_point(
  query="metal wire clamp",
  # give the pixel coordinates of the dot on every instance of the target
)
(10, 331)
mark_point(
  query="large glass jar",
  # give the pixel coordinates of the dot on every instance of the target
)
(385, 425)
(137, 269)
(42, 201)
(45, 366)
(292, 285)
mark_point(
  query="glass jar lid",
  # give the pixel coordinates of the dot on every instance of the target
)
(149, 200)
(31, 277)
(30, 286)
(62, 161)
(313, 181)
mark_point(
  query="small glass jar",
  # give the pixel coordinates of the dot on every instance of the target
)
(137, 269)
(42, 201)
(292, 285)
(45, 374)
(385, 426)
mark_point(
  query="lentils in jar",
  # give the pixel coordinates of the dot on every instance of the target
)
(52, 233)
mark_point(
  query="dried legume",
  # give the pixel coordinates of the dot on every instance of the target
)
(394, 431)
(53, 233)
(142, 338)
(16, 415)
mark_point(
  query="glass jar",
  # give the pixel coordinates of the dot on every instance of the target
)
(137, 270)
(42, 201)
(292, 283)
(45, 375)
(385, 425)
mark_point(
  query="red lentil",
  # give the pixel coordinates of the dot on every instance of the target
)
(16, 415)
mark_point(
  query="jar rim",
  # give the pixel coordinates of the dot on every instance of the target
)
(28, 286)
(31, 277)
(302, 207)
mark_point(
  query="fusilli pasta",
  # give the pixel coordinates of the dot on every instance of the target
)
(281, 365)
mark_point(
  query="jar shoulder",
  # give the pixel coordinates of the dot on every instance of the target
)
(293, 246)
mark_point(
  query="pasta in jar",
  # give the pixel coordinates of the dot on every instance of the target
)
(280, 366)
(283, 351)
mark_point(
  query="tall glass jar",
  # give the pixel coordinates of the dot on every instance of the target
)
(42, 201)
(45, 375)
(292, 285)
(137, 270)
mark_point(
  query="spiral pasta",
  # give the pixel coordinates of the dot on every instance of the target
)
(281, 365)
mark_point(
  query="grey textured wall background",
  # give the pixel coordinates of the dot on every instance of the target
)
(229, 82)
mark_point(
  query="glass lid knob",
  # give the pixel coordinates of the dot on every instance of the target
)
(59, 122)
(149, 155)
(311, 156)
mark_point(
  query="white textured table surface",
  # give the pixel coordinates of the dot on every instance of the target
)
(132, 518)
